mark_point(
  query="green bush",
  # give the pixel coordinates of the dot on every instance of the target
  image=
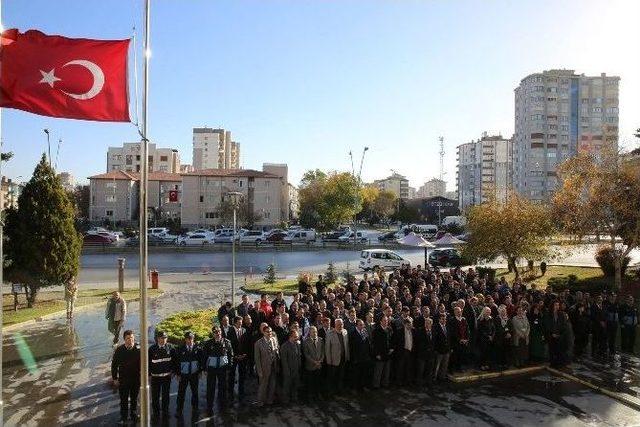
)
(270, 275)
(491, 272)
(605, 259)
(330, 276)
(199, 322)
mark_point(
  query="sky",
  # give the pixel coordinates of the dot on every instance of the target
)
(303, 82)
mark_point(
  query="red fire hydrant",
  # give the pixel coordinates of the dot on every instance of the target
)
(154, 279)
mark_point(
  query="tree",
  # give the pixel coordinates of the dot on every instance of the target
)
(81, 196)
(385, 204)
(5, 157)
(327, 200)
(405, 213)
(514, 229)
(601, 195)
(330, 276)
(369, 194)
(270, 274)
(244, 213)
(43, 246)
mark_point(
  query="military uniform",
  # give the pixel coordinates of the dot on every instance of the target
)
(161, 368)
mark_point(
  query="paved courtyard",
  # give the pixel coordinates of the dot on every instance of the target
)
(69, 385)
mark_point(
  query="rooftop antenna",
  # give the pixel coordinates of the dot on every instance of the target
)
(441, 139)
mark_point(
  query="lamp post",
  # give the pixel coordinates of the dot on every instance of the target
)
(48, 144)
(233, 196)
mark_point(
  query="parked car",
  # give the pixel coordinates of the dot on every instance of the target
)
(278, 236)
(332, 236)
(443, 257)
(104, 232)
(165, 237)
(96, 239)
(354, 236)
(302, 236)
(194, 239)
(390, 236)
(158, 230)
(225, 237)
(152, 240)
(252, 236)
(381, 258)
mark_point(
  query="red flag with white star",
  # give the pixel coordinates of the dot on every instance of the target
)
(63, 77)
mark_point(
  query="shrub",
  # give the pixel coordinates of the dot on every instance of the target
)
(330, 276)
(199, 322)
(491, 272)
(270, 274)
(543, 267)
(605, 257)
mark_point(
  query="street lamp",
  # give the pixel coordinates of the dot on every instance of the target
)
(48, 144)
(234, 196)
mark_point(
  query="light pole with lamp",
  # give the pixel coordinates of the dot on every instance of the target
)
(48, 144)
(233, 196)
(359, 184)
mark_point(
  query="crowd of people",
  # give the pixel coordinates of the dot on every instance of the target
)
(407, 328)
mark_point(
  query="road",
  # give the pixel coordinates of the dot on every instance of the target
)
(99, 269)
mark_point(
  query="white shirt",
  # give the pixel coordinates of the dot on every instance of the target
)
(408, 339)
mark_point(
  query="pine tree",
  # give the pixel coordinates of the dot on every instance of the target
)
(330, 276)
(43, 246)
(270, 274)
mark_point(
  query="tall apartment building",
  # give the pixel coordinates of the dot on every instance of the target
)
(67, 180)
(9, 193)
(127, 158)
(484, 170)
(396, 183)
(558, 114)
(432, 188)
(214, 149)
(203, 192)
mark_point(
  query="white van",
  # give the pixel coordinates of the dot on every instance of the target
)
(303, 236)
(382, 258)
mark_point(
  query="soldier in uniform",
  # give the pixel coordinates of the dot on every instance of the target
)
(125, 373)
(188, 359)
(217, 356)
(161, 369)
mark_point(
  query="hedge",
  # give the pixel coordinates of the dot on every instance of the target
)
(199, 322)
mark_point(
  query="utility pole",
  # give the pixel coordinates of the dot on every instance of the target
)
(441, 139)
(48, 144)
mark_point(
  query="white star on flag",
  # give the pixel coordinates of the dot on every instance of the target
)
(49, 77)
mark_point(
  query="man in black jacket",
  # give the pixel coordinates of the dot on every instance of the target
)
(360, 355)
(239, 339)
(188, 359)
(125, 373)
(161, 368)
(382, 351)
(442, 346)
(424, 352)
(217, 355)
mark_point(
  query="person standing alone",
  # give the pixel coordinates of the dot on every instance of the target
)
(70, 295)
(115, 314)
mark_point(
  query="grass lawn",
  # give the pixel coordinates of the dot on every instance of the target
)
(288, 286)
(587, 277)
(48, 302)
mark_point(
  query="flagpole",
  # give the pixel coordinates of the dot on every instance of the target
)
(1, 258)
(144, 176)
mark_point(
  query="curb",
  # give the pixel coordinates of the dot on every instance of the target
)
(614, 395)
(491, 375)
(55, 314)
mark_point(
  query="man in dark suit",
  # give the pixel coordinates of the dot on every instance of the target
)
(240, 342)
(404, 343)
(442, 346)
(382, 352)
(360, 356)
(425, 356)
(460, 340)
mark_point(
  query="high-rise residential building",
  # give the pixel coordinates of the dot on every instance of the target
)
(484, 170)
(67, 180)
(432, 188)
(9, 193)
(558, 114)
(214, 149)
(396, 183)
(127, 158)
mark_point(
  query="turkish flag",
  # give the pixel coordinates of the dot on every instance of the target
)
(62, 77)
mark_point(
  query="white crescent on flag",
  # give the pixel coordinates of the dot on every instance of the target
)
(98, 79)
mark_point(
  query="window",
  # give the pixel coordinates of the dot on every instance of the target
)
(553, 127)
(585, 100)
(267, 199)
(597, 109)
(564, 137)
(552, 99)
(537, 135)
(110, 185)
(240, 183)
(108, 213)
(138, 157)
(129, 159)
(110, 198)
(164, 168)
(164, 158)
(551, 89)
(597, 100)
(612, 110)
(201, 199)
(211, 215)
(266, 183)
(612, 119)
